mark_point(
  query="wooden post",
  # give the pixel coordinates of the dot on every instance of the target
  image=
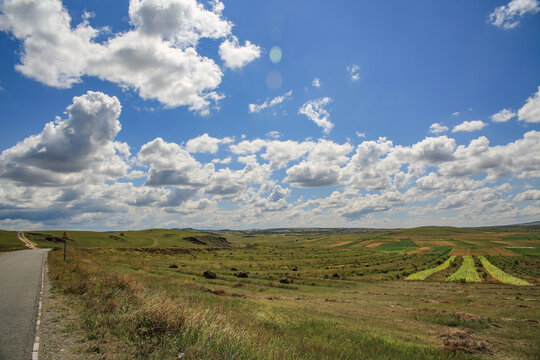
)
(65, 237)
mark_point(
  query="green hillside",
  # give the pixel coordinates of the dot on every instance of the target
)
(159, 238)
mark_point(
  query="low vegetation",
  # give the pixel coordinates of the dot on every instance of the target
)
(422, 275)
(298, 293)
(501, 275)
(467, 271)
(9, 241)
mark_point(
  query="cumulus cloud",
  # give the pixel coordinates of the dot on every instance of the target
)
(322, 166)
(316, 83)
(169, 164)
(206, 144)
(469, 126)
(157, 57)
(354, 72)
(371, 203)
(68, 151)
(529, 195)
(520, 158)
(437, 128)
(508, 16)
(503, 116)
(254, 108)
(530, 112)
(316, 111)
(236, 56)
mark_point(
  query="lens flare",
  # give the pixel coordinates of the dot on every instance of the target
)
(275, 54)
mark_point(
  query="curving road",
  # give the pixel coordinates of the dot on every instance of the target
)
(20, 285)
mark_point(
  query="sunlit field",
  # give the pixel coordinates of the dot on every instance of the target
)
(305, 294)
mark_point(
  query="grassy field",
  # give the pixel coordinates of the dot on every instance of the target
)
(9, 241)
(160, 238)
(298, 293)
(295, 303)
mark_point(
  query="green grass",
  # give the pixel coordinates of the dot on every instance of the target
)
(153, 312)
(401, 246)
(159, 238)
(467, 271)
(454, 320)
(422, 275)
(501, 275)
(9, 241)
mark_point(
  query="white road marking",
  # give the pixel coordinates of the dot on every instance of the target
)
(35, 349)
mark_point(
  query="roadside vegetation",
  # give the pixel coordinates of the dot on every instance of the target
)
(422, 275)
(467, 271)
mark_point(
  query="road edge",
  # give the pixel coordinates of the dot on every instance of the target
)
(35, 347)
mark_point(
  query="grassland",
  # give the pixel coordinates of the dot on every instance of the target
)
(298, 293)
(9, 241)
(501, 275)
(160, 238)
(422, 275)
(136, 304)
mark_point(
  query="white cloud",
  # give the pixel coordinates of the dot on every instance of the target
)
(354, 72)
(273, 134)
(508, 16)
(455, 113)
(437, 128)
(315, 110)
(530, 112)
(236, 56)
(316, 83)
(157, 58)
(253, 108)
(322, 166)
(503, 115)
(171, 165)
(528, 195)
(72, 150)
(225, 161)
(247, 147)
(469, 126)
(520, 158)
(360, 135)
(206, 143)
(80, 162)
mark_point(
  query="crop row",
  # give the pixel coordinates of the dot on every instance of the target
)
(422, 275)
(501, 275)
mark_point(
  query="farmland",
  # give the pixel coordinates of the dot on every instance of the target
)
(299, 293)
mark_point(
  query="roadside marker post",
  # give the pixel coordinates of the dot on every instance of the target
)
(65, 237)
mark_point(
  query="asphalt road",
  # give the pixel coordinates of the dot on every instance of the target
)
(20, 284)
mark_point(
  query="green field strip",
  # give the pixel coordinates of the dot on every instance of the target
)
(422, 275)
(466, 272)
(501, 275)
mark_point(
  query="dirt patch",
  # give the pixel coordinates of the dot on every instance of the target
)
(419, 250)
(374, 245)
(460, 340)
(341, 243)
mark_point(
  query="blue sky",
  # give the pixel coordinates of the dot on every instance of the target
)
(155, 113)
